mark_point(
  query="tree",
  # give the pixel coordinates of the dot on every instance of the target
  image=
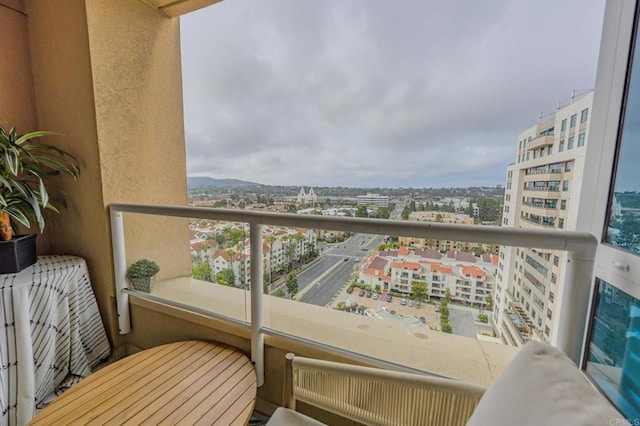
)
(296, 240)
(361, 211)
(271, 239)
(226, 277)
(439, 218)
(419, 290)
(382, 213)
(278, 293)
(489, 300)
(406, 211)
(201, 272)
(292, 283)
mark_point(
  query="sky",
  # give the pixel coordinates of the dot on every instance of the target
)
(377, 93)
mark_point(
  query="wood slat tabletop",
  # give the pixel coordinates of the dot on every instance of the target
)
(184, 383)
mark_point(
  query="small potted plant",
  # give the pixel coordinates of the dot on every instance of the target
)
(142, 274)
(25, 167)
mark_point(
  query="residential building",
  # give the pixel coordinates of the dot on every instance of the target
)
(542, 191)
(444, 245)
(467, 277)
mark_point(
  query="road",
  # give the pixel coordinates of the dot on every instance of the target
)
(332, 272)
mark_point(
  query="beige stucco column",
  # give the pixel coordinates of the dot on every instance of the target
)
(107, 75)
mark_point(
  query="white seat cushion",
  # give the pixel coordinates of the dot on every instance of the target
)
(542, 386)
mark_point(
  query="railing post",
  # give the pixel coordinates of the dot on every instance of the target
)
(120, 271)
(574, 308)
(257, 315)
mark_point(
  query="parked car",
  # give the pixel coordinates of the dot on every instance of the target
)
(410, 303)
(389, 298)
(361, 293)
(403, 301)
(375, 296)
(423, 320)
(368, 294)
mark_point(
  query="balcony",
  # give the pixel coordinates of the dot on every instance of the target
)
(540, 142)
(268, 319)
(541, 192)
(540, 211)
(547, 175)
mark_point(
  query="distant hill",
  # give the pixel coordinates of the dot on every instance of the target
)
(209, 182)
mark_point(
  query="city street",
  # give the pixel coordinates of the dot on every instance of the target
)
(319, 283)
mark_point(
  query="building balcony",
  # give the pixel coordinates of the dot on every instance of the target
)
(540, 142)
(543, 176)
(542, 192)
(539, 209)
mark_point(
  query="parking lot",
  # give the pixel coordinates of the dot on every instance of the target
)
(426, 310)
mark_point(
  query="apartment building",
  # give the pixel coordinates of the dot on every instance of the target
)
(444, 245)
(467, 277)
(542, 191)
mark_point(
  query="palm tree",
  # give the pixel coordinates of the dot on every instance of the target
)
(271, 239)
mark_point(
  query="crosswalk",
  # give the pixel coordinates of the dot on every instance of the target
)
(349, 256)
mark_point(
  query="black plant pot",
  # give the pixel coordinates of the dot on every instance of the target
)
(17, 253)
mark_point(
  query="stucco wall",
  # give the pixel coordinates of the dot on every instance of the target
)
(107, 75)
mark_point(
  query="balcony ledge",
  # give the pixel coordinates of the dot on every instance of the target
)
(457, 357)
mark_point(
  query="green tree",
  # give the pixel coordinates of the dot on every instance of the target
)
(296, 240)
(382, 213)
(447, 295)
(406, 211)
(235, 235)
(201, 272)
(278, 293)
(439, 218)
(419, 290)
(226, 277)
(292, 283)
(489, 299)
(361, 211)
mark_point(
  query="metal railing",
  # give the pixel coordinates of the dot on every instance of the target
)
(581, 248)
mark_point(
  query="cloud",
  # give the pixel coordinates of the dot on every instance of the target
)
(377, 93)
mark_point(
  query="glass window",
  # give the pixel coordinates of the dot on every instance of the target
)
(613, 350)
(570, 143)
(584, 115)
(563, 204)
(581, 140)
(568, 166)
(561, 146)
(574, 120)
(550, 150)
(623, 228)
(563, 127)
(561, 223)
(528, 155)
(565, 185)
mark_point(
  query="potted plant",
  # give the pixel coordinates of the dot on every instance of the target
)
(142, 274)
(25, 166)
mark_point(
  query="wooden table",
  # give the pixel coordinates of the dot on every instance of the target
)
(186, 383)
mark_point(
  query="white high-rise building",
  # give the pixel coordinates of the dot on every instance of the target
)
(542, 192)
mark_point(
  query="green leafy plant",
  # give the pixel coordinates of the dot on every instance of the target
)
(143, 268)
(25, 165)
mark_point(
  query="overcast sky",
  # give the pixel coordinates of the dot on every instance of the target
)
(367, 93)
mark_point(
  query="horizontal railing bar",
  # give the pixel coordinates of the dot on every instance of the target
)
(579, 242)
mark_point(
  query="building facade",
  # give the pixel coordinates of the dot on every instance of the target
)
(542, 191)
